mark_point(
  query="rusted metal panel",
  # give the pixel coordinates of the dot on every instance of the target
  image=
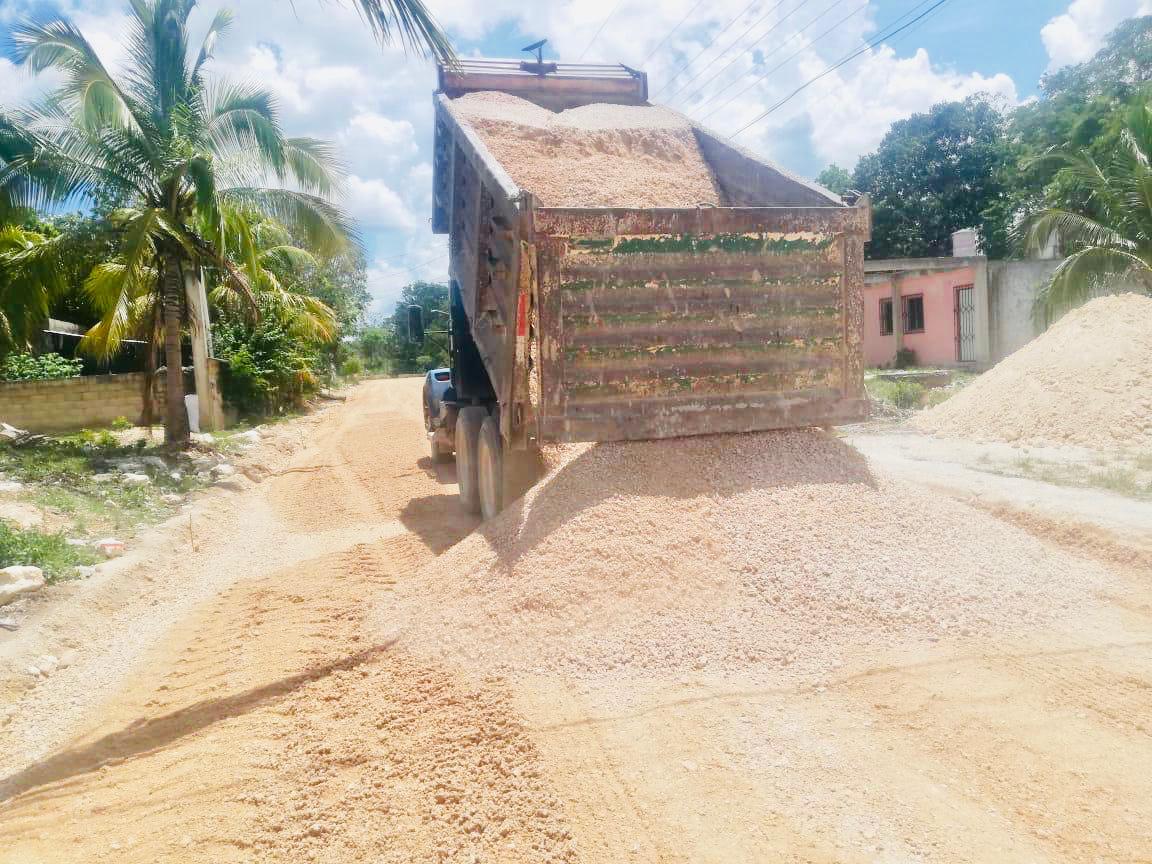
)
(750, 323)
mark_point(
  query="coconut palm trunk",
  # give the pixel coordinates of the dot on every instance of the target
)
(172, 302)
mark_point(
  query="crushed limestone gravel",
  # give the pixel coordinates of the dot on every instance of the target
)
(1087, 382)
(732, 553)
(596, 155)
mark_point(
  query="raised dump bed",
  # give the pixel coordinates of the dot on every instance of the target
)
(596, 323)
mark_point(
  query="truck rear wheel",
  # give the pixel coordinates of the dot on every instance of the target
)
(490, 461)
(468, 425)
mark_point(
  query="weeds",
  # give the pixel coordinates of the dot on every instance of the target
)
(902, 394)
(50, 552)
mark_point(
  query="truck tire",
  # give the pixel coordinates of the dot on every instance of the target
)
(468, 425)
(490, 465)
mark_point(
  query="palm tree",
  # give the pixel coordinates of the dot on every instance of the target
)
(30, 278)
(1109, 235)
(410, 21)
(192, 159)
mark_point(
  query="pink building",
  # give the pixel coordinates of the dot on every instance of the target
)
(937, 308)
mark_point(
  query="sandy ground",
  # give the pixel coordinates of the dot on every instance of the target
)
(242, 703)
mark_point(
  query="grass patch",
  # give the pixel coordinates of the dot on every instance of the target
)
(901, 394)
(50, 552)
(60, 475)
(1122, 480)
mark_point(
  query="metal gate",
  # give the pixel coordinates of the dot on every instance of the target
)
(965, 324)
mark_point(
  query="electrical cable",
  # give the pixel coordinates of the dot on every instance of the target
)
(761, 75)
(732, 45)
(672, 32)
(779, 47)
(600, 29)
(708, 44)
(868, 47)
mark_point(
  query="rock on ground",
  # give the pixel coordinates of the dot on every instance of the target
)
(18, 580)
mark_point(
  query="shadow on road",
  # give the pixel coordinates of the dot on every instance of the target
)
(147, 735)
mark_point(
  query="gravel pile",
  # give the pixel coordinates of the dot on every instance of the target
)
(595, 155)
(1087, 381)
(728, 553)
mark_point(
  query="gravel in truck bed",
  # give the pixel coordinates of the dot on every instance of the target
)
(595, 155)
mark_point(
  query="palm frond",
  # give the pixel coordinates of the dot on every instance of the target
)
(57, 44)
(322, 225)
(313, 165)
(1089, 273)
(410, 23)
(219, 25)
(1072, 229)
(114, 286)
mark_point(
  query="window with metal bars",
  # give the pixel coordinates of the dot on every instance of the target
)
(913, 317)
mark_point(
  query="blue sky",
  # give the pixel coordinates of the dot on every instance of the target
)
(334, 82)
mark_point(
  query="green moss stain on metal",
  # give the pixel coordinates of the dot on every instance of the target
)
(751, 244)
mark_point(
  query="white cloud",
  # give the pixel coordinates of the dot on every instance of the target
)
(423, 259)
(334, 82)
(851, 114)
(1078, 33)
(376, 205)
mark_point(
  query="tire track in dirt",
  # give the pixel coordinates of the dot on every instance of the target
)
(274, 725)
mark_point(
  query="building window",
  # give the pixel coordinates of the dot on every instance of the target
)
(886, 316)
(913, 320)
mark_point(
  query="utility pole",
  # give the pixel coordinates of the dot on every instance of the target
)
(201, 350)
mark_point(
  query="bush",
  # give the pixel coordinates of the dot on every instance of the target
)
(902, 394)
(50, 552)
(905, 359)
(352, 367)
(268, 368)
(39, 367)
(121, 423)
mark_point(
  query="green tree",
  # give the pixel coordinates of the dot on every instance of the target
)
(835, 179)
(936, 173)
(432, 297)
(1109, 247)
(30, 279)
(187, 156)
(1084, 107)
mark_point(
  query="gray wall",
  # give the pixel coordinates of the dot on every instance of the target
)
(1012, 289)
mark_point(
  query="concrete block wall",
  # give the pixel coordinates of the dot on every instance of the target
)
(70, 404)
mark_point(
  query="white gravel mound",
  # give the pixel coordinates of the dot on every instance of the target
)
(1086, 382)
(728, 553)
(596, 155)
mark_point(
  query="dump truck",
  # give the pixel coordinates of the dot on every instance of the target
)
(616, 323)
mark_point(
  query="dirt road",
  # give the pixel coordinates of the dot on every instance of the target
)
(280, 721)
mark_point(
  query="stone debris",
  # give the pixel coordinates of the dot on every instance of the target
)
(11, 487)
(19, 579)
(110, 547)
(136, 479)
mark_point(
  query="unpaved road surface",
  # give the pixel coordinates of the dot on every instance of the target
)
(277, 720)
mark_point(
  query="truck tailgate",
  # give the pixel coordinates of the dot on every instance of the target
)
(660, 323)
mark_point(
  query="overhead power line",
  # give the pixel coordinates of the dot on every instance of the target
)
(600, 29)
(688, 63)
(673, 31)
(779, 47)
(732, 45)
(765, 73)
(831, 69)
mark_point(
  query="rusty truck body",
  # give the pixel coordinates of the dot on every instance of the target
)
(608, 324)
